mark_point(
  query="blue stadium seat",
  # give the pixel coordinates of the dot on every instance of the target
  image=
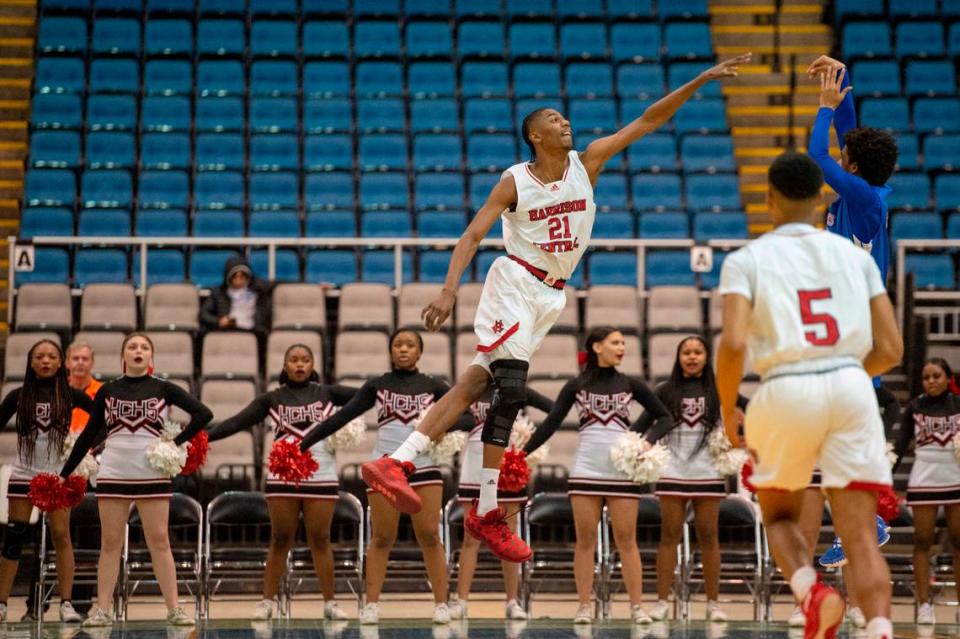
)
(437, 153)
(286, 265)
(930, 77)
(50, 187)
(669, 268)
(483, 79)
(640, 81)
(328, 153)
(112, 112)
(163, 189)
(915, 226)
(331, 190)
(385, 224)
(274, 152)
(376, 8)
(936, 115)
(630, 9)
(117, 6)
(589, 80)
(114, 75)
(940, 152)
(110, 150)
(527, 9)
(843, 9)
(583, 40)
(383, 152)
(635, 42)
(337, 267)
(325, 7)
(384, 191)
(932, 271)
(946, 191)
(480, 186)
(376, 39)
(950, 8)
(100, 266)
(378, 266)
(221, 223)
(655, 192)
(273, 38)
(688, 40)
(104, 223)
(710, 153)
(274, 224)
(330, 224)
(610, 192)
(380, 115)
(220, 7)
(701, 116)
(685, 9)
(908, 152)
(440, 224)
(711, 280)
(273, 114)
(284, 8)
(668, 225)
(274, 190)
(56, 111)
(613, 268)
(433, 266)
(581, 140)
(480, 39)
(536, 79)
(682, 72)
(326, 39)
(477, 9)
(923, 39)
(426, 8)
(953, 40)
(712, 192)
(431, 79)
(429, 40)
(532, 40)
(116, 36)
(206, 266)
(722, 226)
(62, 34)
(909, 191)
(219, 114)
(219, 151)
(60, 75)
(327, 115)
(218, 189)
(220, 77)
(379, 79)
(953, 227)
(434, 115)
(56, 149)
(168, 37)
(593, 116)
(170, 6)
(221, 37)
(68, 5)
(526, 106)
(913, 8)
(614, 225)
(490, 151)
(274, 77)
(892, 114)
(41, 220)
(633, 108)
(168, 77)
(161, 223)
(164, 266)
(657, 152)
(50, 266)
(579, 9)
(484, 261)
(106, 189)
(866, 40)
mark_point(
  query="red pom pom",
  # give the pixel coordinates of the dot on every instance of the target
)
(74, 489)
(514, 471)
(888, 504)
(582, 359)
(746, 472)
(47, 492)
(196, 453)
(290, 464)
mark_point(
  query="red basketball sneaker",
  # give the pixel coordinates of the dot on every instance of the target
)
(388, 477)
(823, 607)
(492, 530)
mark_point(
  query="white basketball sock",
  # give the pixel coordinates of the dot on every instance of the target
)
(880, 628)
(802, 581)
(489, 478)
(412, 447)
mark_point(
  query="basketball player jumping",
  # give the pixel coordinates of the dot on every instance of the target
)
(812, 311)
(548, 210)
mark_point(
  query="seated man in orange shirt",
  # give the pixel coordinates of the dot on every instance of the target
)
(80, 361)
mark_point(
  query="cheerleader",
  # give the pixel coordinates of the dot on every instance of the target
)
(43, 406)
(932, 420)
(603, 396)
(130, 412)
(471, 463)
(298, 404)
(691, 396)
(400, 397)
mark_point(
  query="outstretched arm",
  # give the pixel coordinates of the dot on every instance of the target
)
(550, 425)
(365, 398)
(845, 116)
(657, 114)
(254, 413)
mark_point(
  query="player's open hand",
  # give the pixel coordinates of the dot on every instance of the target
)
(831, 94)
(822, 64)
(728, 68)
(436, 312)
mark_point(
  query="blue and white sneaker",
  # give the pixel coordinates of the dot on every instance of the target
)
(835, 557)
(883, 531)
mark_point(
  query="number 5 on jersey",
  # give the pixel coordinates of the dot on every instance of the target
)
(828, 332)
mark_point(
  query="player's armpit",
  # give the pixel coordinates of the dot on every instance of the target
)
(887, 348)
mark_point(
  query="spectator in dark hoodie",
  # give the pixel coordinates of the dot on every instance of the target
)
(241, 303)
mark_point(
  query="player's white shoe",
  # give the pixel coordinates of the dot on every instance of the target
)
(714, 613)
(370, 614)
(639, 615)
(856, 618)
(441, 614)
(514, 610)
(584, 614)
(333, 612)
(660, 610)
(797, 618)
(263, 611)
(926, 615)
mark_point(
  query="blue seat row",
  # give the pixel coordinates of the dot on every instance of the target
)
(928, 115)
(912, 191)
(919, 78)
(921, 38)
(898, 9)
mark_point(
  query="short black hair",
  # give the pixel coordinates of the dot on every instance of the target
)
(525, 129)
(796, 176)
(874, 151)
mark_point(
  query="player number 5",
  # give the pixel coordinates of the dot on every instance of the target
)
(826, 320)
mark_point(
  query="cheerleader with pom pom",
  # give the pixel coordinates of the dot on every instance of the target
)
(400, 397)
(43, 407)
(131, 412)
(603, 396)
(300, 403)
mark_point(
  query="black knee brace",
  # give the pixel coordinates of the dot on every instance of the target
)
(509, 396)
(15, 537)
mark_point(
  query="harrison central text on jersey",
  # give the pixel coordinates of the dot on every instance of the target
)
(559, 229)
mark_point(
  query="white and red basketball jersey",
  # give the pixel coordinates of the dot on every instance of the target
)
(550, 228)
(810, 292)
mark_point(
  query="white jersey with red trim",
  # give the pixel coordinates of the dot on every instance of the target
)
(550, 228)
(810, 291)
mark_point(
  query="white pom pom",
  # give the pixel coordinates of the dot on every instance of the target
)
(726, 459)
(892, 456)
(349, 437)
(538, 456)
(170, 430)
(956, 446)
(521, 433)
(88, 466)
(442, 451)
(640, 467)
(166, 457)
